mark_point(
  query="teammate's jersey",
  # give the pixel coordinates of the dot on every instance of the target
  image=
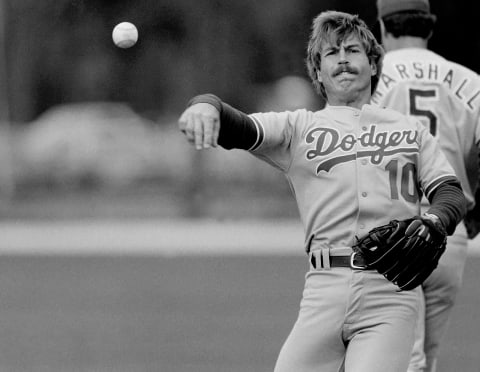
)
(445, 96)
(350, 169)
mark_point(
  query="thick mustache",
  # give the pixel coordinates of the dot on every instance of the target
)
(341, 69)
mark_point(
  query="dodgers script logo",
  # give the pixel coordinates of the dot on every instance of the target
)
(372, 144)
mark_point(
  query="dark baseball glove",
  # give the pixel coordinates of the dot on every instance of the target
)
(404, 251)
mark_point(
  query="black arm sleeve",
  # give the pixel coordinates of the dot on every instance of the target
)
(237, 129)
(448, 202)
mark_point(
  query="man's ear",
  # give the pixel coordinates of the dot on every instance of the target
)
(319, 77)
(374, 68)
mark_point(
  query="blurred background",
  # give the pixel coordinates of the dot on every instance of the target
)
(122, 249)
(89, 129)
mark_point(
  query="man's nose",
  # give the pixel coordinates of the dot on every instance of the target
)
(342, 56)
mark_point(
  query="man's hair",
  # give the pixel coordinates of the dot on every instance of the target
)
(334, 27)
(410, 23)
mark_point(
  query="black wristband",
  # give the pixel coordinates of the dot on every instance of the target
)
(207, 98)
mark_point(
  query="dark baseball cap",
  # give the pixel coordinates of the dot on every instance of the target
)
(387, 7)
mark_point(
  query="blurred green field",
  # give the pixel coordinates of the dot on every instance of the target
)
(178, 314)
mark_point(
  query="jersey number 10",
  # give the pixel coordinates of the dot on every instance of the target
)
(408, 175)
(428, 95)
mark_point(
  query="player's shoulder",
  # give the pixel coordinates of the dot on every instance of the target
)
(401, 60)
(306, 115)
(409, 55)
(297, 117)
(301, 112)
(464, 71)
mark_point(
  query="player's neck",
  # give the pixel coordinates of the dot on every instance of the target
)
(403, 42)
(353, 101)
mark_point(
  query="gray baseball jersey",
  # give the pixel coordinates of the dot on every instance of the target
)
(350, 169)
(444, 96)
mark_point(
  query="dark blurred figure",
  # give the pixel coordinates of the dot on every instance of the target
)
(445, 96)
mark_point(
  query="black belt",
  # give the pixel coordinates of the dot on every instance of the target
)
(337, 257)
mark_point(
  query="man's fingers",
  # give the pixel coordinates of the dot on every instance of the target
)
(198, 132)
(189, 129)
(182, 122)
(210, 136)
(185, 125)
(201, 125)
(216, 132)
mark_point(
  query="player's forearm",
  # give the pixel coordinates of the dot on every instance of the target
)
(448, 202)
(237, 129)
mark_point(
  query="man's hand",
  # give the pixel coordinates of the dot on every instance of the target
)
(201, 125)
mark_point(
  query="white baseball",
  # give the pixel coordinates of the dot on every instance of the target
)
(125, 35)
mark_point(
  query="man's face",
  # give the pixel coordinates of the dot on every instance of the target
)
(345, 71)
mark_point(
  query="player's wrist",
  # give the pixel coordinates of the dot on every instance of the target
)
(435, 221)
(207, 98)
(432, 217)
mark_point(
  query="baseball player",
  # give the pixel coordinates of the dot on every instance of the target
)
(351, 167)
(445, 97)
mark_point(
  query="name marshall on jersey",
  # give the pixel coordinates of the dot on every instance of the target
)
(372, 144)
(430, 72)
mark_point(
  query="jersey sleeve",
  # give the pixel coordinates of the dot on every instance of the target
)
(434, 167)
(277, 133)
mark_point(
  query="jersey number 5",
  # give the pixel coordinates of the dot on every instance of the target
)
(424, 96)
